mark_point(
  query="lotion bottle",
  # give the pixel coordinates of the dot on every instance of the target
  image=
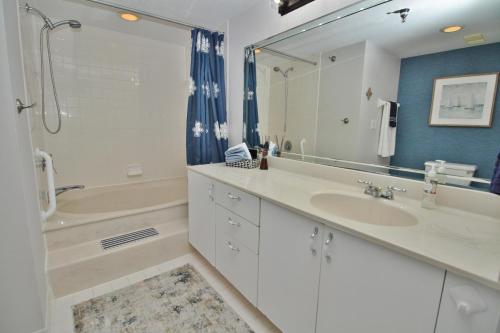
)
(430, 189)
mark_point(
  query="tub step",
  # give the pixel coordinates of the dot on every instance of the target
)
(135, 236)
(87, 265)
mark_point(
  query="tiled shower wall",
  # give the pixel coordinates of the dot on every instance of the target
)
(123, 101)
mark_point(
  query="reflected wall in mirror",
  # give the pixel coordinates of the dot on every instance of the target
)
(360, 88)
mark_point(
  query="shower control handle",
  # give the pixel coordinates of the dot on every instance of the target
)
(21, 106)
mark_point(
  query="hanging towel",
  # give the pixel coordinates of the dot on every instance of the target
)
(238, 153)
(387, 139)
(495, 181)
(393, 120)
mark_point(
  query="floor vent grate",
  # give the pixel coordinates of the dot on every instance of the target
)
(112, 242)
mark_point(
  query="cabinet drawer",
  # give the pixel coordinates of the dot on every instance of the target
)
(237, 228)
(239, 202)
(238, 264)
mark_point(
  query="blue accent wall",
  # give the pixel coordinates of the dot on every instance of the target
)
(417, 142)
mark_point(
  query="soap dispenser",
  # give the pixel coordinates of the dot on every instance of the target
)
(441, 171)
(430, 189)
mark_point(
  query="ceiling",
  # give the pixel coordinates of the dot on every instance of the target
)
(212, 14)
(419, 35)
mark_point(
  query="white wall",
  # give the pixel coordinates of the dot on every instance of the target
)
(23, 292)
(255, 24)
(123, 100)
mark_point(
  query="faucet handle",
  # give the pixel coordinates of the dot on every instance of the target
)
(397, 189)
(366, 182)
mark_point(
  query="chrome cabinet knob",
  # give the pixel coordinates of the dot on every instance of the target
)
(328, 241)
(315, 233)
(232, 247)
(233, 197)
(234, 224)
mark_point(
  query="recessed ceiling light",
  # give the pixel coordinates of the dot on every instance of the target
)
(129, 17)
(452, 28)
(258, 50)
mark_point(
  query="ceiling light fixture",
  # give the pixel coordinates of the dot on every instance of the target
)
(129, 17)
(452, 28)
(257, 51)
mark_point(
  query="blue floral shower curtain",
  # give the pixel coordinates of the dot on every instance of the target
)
(207, 129)
(250, 109)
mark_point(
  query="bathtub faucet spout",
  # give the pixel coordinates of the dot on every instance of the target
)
(62, 189)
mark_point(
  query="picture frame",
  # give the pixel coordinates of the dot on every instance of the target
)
(464, 100)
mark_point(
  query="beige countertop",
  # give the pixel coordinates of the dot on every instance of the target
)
(459, 241)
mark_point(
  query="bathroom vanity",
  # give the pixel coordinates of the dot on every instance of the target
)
(361, 266)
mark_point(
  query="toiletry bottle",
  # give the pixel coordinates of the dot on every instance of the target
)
(441, 171)
(263, 161)
(430, 189)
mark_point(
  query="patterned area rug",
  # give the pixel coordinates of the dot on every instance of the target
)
(176, 301)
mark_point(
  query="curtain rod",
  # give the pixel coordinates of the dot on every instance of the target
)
(148, 14)
(283, 54)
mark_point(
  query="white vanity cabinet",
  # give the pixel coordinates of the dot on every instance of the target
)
(289, 267)
(201, 192)
(468, 307)
(224, 228)
(367, 288)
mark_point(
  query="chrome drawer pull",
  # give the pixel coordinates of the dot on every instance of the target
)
(233, 197)
(232, 247)
(315, 233)
(231, 222)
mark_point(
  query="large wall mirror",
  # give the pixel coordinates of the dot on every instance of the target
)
(383, 86)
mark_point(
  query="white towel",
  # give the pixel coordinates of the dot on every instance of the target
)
(387, 139)
(238, 152)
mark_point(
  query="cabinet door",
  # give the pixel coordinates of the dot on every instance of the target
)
(367, 288)
(468, 307)
(289, 265)
(201, 215)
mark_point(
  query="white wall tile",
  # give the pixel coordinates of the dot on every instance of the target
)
(123, 99)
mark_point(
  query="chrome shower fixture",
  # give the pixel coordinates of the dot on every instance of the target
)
(44, 32)
(48, 22)
(403, 13)
(285, 73)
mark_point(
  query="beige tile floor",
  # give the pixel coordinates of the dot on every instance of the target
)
(62, 317)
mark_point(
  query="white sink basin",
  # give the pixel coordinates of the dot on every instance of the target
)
(365, 210)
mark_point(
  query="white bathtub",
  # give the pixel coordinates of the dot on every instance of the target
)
(76, 260)
(110, 202)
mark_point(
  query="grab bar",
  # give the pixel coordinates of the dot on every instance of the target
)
(45, 214)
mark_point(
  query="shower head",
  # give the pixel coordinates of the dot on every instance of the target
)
(285, 73)
(48, 23)
(72, 23)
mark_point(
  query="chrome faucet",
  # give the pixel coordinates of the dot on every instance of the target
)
(380, 192)
(62, 189)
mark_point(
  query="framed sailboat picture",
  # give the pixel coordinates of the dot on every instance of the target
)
(464, 101)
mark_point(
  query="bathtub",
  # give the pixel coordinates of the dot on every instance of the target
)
(73, 235)
(98, 204)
